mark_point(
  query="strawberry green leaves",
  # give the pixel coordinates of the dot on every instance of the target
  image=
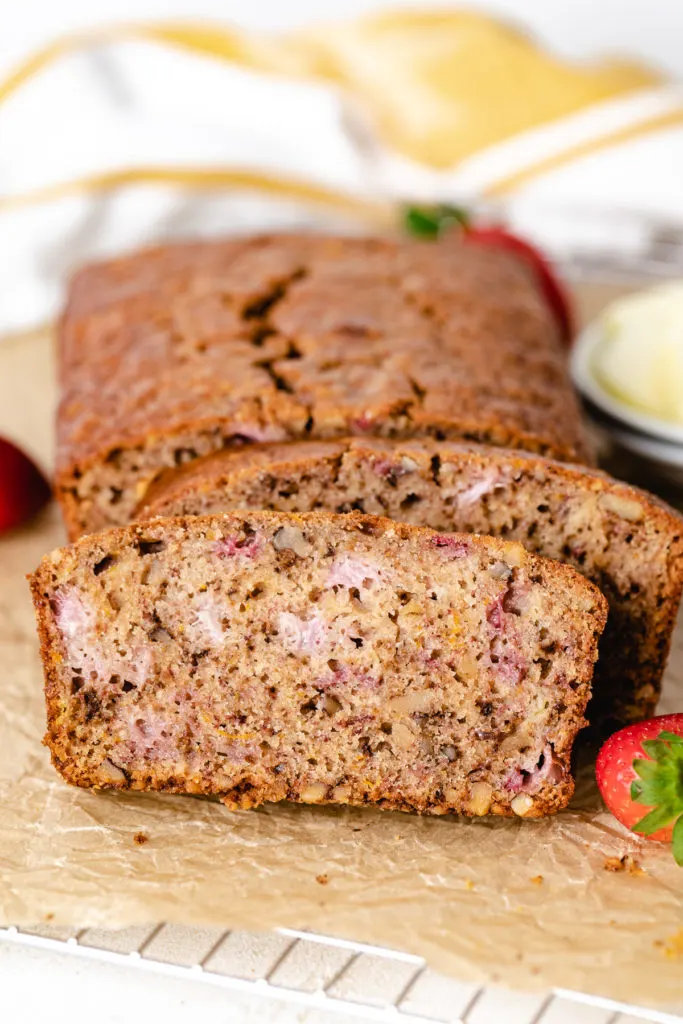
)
(639, 771)
(433, 221)
(660, 786)
(677, 840)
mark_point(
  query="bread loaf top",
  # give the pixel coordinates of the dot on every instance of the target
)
(176, 352)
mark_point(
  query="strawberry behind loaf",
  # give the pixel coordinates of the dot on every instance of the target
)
(174, 353)
(627, 542)
(262, 656)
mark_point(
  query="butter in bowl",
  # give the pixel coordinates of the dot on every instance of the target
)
(628, 366)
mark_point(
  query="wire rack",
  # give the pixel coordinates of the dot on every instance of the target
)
(658, 254)
(323, 973)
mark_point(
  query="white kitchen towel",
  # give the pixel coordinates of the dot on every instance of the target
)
(130, 112)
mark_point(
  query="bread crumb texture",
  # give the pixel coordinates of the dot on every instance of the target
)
(319, 658)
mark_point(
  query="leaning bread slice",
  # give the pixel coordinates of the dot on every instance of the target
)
(261, 656)
(624, 540)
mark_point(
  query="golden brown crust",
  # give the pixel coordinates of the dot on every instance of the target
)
(236, 799)
(177, 352)
(586, 603)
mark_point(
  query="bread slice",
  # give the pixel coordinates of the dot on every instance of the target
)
(626, 541)
(262, 656)
(177, 352)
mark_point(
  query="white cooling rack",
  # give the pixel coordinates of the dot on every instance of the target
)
(321, 973)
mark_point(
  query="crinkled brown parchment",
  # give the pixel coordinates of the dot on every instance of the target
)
(530, 904)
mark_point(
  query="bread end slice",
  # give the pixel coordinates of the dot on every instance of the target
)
(261, 656)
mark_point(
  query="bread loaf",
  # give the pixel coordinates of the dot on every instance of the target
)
(177, 352)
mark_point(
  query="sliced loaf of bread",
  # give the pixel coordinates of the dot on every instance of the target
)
(626, 541)
(262, 656)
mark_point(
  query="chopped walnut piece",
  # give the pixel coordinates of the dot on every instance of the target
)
(313, 793)
(290, 538)
(522, 804)
(625, 508)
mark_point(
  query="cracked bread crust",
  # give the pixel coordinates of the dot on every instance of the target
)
(626, 541)
(264, 656)
(177, 352)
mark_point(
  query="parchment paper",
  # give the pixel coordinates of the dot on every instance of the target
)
(530, 904)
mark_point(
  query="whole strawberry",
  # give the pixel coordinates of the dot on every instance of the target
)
(433, 221)
(23, 488)
(640, 775)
